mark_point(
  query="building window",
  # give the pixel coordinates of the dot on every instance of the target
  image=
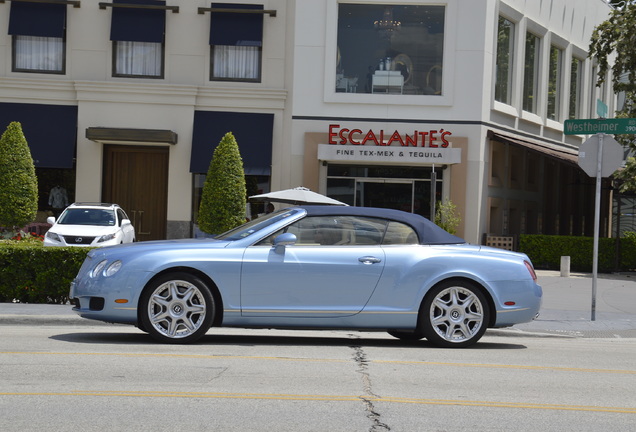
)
(39, 32)
(138, 59)
(554, 83)
(505, 50)
(236, 40)
(575, 88)
(531, 73)
(236, 63)
(38, 54)
(390, 49)
(138, 35)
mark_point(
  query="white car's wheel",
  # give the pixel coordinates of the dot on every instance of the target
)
(177, 308)
(455, 314)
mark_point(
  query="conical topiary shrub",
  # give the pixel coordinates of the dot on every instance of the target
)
(18, 183)
(223, 198)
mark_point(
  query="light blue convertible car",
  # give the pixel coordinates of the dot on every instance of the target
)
(312, 267)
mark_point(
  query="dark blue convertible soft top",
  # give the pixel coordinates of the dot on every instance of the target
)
(427, 231)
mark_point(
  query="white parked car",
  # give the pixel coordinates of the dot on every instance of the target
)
(90, 224)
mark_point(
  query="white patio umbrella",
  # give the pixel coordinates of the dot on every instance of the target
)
(298, 195)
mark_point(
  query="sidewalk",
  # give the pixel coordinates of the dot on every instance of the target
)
(567, 305)
(566, 310)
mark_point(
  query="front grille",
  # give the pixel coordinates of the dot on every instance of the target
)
(96, 303)
(76, 240)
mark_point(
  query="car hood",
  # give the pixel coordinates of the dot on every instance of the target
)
(146, 247)
(82, 230)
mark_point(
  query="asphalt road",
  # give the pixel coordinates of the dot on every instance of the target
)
(562, 372)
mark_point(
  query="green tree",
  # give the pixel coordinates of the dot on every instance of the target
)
(614, 39)
(18, 183)
(223, 198)
(446, 216)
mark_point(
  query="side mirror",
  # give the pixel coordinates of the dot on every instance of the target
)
(125, 222)
(285, 239)
(50, 220)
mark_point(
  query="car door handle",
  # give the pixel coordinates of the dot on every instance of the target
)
(368, 260)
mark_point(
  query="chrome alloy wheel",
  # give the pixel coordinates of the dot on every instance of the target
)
(457, 315)
(176, 309)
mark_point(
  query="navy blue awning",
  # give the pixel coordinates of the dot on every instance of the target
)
(232, 28)
(138, 24)
(37, 19)
(253, 133)
(50, 130)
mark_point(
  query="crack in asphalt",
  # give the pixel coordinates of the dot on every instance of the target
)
(368, 397)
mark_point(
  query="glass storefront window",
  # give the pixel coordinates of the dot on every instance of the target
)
(390, 49)
(402, 188)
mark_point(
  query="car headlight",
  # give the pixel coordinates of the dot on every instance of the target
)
(107, 269)
(52, 236)
(106, 237)
(112, 268)
(98, 268)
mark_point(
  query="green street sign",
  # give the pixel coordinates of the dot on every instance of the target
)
(601, 108)
(616, 126)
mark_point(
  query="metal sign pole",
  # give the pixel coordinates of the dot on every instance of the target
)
(433, 193)
(597, 217)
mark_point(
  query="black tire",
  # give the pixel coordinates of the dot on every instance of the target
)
(176, 308)
(455, 314)
(141, 327)
(406, 335)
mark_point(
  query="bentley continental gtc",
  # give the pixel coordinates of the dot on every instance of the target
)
(312, 267)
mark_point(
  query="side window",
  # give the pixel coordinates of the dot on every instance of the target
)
(333, 231)
(399, 234)
(121, 216)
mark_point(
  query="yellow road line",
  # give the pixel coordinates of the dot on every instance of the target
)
(332, 398)
(325, 360)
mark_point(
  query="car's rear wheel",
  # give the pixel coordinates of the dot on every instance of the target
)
(177, 308)
(455, 314)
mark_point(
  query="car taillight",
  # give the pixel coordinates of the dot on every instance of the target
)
(533, 274)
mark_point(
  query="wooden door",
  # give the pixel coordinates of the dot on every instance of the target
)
(136, 178)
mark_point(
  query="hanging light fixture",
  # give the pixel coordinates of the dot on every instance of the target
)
(387, 24)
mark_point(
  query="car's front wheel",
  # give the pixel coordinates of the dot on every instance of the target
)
(455, 314)
(177, 308)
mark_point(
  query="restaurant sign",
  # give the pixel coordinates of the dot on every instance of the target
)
(421, 147)
(404, 155)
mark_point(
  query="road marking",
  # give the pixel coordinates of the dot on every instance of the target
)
(330, 398)
(193, 356)
(298, 359)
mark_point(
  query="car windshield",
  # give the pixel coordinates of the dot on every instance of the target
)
(83, 216)
(256, 225)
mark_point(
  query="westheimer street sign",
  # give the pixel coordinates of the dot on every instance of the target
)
(615, 126)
